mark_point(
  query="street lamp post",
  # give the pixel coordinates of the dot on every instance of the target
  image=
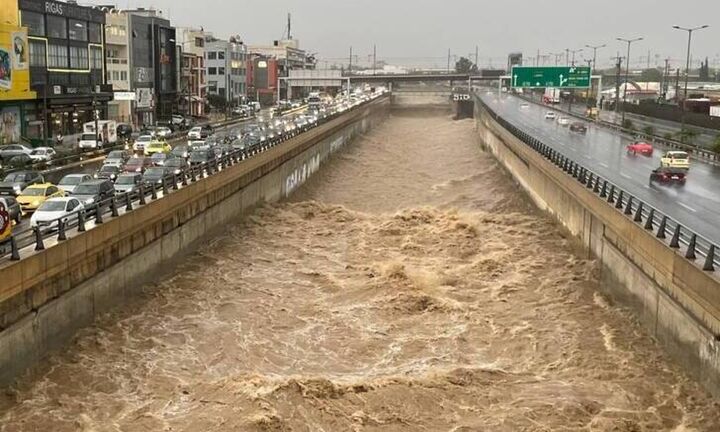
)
(627, 71)
(687, 65)
(573, 55)
(572, 91)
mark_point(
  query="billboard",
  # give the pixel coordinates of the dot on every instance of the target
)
(143, 98)
(9, 125)
(14, 71)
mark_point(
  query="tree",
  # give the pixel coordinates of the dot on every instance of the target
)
(651, 75)
(705, 70)
(464, 66)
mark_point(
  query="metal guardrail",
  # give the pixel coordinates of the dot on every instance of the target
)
(112, 207)
(665, 228)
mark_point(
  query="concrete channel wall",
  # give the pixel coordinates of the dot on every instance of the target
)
(672, 297)
(45, 298)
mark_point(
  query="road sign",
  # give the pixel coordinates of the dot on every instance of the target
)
(557, 76)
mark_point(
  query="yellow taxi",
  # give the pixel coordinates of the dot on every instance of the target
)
(6, 226)
(157, 146)
(33, 196)
(675, 159)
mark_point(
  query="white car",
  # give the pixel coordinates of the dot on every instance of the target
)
(163, 131)
(69, 182)
(89, 141)
(550, 115)
(195, 133)
(563, 121)
(49, 212)
(43, 154)
(141, 142)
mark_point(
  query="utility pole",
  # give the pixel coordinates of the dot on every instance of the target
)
(448, 61)
(289, 26)
(594, 59)
(374, 58)
(476, 58)
(666, 72)
(350, 64)
(567, 56)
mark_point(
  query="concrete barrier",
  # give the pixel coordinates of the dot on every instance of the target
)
(48, 296)
(677, 301)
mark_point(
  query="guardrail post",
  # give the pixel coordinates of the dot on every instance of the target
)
(611, 194)
(661, 228)
(638, 213)
(618, 203)
(628, 208)
(14, 251)
(710, 259)
(175, 181)
(183, 175)
(650, 223)
(98, 214)
(81, 221)
(589, 183)
(604, 192)
(675, 241)
(128, 202)
(39, 245)
(141, 192)
(153, 191)
(164, 186)
(113, 208)
(690, 253)
(193, 179)
(61, 230)
(596, 187)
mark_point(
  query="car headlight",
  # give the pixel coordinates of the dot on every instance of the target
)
(138, 169)
(17, 188)
(89, 201)
(113, 176)
(35, 203)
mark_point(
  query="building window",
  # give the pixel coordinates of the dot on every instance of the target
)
(35, 23)
(212, 86)
(212, 71)
(56, 27)
(211, 55)
(113, 30)
(95, 32)
(199, 42)
(221, 71)
(57, 55)
(37, 53)
(79, 58)
(96, 57)
(115, 75)
(221, 55)
(77, 30)
(123, 75)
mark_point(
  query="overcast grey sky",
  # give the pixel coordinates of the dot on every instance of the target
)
(423, 30)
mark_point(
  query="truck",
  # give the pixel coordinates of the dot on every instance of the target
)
(107, 134)
(551, 96)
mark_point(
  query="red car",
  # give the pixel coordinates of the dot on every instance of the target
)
(640, 147)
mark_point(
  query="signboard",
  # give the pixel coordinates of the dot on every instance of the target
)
(715, 111)
(14, 71)
(144, 98)
(552, 76)
(9, 125)
(124, 96)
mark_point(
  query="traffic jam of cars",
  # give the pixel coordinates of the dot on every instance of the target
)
(148, 166)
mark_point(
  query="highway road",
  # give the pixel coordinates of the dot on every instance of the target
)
(696, 205)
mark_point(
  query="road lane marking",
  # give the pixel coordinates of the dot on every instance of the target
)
(687, 207)
(604, 165)
(588, 157)
(625, 176)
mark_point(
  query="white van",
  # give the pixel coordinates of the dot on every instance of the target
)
(106, 136)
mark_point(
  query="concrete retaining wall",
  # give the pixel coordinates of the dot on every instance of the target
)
(673, 298)
(47, 297)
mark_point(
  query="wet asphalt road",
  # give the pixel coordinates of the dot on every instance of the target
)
(696, 205)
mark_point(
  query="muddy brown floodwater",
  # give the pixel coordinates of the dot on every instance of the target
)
(407, 287)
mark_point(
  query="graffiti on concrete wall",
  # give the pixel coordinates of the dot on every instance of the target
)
(300, 175)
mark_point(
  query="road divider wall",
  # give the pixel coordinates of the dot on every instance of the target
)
(648, 262)
(49, 295)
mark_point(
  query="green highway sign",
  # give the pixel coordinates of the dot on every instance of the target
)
(551, 76)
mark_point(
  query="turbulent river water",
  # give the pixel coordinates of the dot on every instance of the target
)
(409, 286)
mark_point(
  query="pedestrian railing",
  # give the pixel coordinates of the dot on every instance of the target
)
(665, 228)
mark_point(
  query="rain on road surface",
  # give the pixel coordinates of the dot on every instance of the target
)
(409, 286)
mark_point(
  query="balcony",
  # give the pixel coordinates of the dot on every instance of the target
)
(117, 61)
